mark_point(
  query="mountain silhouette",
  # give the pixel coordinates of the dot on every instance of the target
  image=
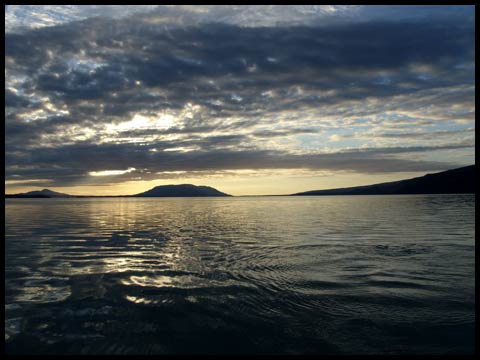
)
(456, 181)
(181, 190)
(45, 193)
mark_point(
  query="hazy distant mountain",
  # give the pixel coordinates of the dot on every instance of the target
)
(181, 190)
(45, 193)
(456, 181)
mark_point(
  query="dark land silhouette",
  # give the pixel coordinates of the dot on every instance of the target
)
(184, 190)
(456, 181)
(180, 191)
(45, 193)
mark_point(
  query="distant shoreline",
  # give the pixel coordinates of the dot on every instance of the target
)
(232, 196)
(455, 181)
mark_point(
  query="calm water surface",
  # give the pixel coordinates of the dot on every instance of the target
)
(331, 274)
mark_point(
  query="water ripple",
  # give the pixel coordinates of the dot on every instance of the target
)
(261, 275)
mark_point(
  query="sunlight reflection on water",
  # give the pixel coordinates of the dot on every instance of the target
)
(365, 274)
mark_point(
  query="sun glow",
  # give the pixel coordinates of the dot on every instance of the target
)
(110, 172)
(164, 121)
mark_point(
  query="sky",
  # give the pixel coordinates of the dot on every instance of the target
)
(273, 99)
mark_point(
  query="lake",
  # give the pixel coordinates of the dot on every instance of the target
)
(385, 274)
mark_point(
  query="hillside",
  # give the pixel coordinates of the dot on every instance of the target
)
(461, 180)
(45, 193)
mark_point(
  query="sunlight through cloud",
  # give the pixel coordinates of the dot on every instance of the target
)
(110, 172)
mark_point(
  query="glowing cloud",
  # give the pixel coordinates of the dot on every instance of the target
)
(110, 172)
(164, 121)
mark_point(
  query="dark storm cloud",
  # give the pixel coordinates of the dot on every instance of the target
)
(181, 59)
(14, 100)
(104, 71)
(67, 165)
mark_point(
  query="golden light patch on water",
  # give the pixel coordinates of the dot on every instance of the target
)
(157, 281)
(140, 300)
(124, 264)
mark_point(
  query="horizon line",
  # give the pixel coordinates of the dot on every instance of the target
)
(229, 195)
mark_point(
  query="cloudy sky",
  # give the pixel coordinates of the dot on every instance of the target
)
(247, 99)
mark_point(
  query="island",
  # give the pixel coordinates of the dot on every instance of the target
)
(45, 193)
(456, 181)
(183, 190)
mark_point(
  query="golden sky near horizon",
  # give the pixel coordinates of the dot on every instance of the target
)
(237, 185)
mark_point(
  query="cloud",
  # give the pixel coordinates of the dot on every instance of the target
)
(283, 132)
(21, 17)
(432, 135)
(128, 92)
(67, 165)
(111, 172)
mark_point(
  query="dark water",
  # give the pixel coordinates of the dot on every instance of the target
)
(337, 274)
